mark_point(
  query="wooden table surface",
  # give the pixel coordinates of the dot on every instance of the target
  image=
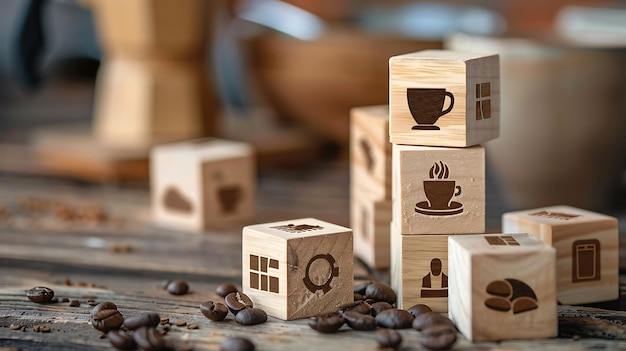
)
(39, 248)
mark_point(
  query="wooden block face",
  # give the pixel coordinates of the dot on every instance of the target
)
(198, 184)
(370, 151)
(502, 286)
(587, 246)
(370, 221)
(419, 270)
(439, 190)
(444, 98)
(298, 268)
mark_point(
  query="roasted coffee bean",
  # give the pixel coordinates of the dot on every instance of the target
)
(66, 299)
(15, 326)
(40, 294)
(74, 303)
(164, 321)
(226, 288)
(329, 323)
(214, 311)
(103, 306)
(92, 303)
(360, 288)
(237, 301)
(54, 300)
(106, 320)
(380, 292)
(178, 287)
(180, 323)
(150, 319)
(192, 326)
(378, 307)
(121, 340)
(418, 309)
(149, 339)
(388, 338)
(428, 319)
(438, 337)
(44, 329)
(356, 306)
(359, 321)
(251, 316)
(394, 319)
(358, 297)
(36, 328)
(237, 344)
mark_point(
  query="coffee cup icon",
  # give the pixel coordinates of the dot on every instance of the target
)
(426, 106)
(229, 197)
(439, 191)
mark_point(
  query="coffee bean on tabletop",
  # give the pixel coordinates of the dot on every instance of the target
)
(380, 292)
(428, 319)
(180, 323)
(103, 306)
(237, 344)
(394, 319)
(74, 303)
(360, 288)
(66, 299)
(359, 321)
(150, 319)
(438, 337)
(121, 340)
(178, 287)
(106, 320)
(192, 326)
(329, 323)
(214, 311)
(418, 309)
(225, 289)
(378, 307)
(358, 297)
(149, 339)
(251, 316)
(40, 294)
(237, 301)
(54, 300)
(44, 329)
(388, 338)
(356, 306)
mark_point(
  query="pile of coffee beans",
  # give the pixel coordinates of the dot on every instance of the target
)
(238, 303)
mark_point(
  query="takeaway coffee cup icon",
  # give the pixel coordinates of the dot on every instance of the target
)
(426, 106)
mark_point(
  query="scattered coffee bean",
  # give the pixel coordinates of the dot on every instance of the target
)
(40, 294)
(428, 319)
(360, 288)
(66, 299)
(378, 307)
(164, 321)
(106, 320)
(358, 297)
(394, 319)
(180, 323)
(74, 303)
(357, 306)
(237, 301)
(359, 321)
(388, 338)
(438, 337)
(380, 292)
(251, 316)
(418, 309)
(237, 344)
(44, 329)
(149, 339)
(150, 319)
(329, 323)
(36, 329)
(214, 311)
(178, 287)
(225, 289)
(92, 303)
(67, 282)
(121, 340)
(54, 300)
(192, 326)
(103, 306)
(15, 326)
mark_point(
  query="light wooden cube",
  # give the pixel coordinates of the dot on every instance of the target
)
(419, 270)
(502, 286)
(438, 190)
(298, 268)
(587, 245)
(444, 98)
(203, 183)
(370, 151)
(370, 220)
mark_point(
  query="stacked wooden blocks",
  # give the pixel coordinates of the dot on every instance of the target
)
(442, 105)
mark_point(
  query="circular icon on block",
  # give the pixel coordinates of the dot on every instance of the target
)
(334, 272)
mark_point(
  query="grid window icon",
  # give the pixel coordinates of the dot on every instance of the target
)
(260, 277)
(505, 240)
(483, 101)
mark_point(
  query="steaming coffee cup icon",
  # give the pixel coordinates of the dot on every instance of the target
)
(439, 192)
(426, 106)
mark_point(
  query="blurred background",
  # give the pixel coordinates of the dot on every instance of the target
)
(87, 87)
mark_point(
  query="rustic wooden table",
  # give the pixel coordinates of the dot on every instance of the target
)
(86, 260)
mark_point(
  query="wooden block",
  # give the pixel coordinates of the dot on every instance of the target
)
(370, 220)
(587, 245)
(298, 268)
(502, 286)
(438, 190)
(444, 98)
(419, 270)
(370, 151)
(202, 183)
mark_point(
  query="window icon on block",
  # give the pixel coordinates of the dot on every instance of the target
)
(260, 277)
(483, 101)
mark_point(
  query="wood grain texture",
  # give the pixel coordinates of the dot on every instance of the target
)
(456, 72)
(413, 167)
(587, 246)
(502, 291)
(370, 221)
(203, 183)
(311, 267)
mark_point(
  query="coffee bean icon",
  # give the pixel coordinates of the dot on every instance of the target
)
(511, 294)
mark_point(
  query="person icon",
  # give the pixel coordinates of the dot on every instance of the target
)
(435, 283)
